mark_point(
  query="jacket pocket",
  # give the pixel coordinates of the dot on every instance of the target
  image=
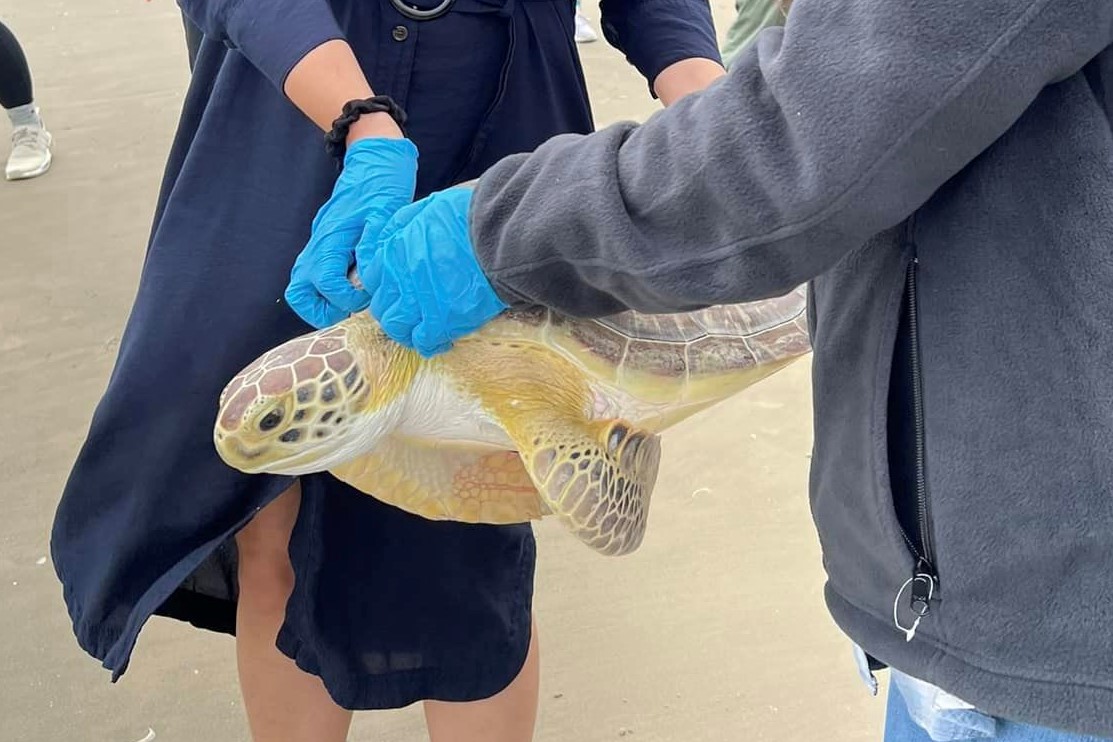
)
(905, 456)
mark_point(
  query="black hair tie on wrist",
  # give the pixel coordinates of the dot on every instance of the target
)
(337, 137)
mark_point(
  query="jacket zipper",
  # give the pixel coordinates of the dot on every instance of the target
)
(925, 580)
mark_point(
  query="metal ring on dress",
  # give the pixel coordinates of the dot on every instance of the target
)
(417, 14)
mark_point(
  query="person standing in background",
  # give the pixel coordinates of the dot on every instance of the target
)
(751, 17)
(31, 142)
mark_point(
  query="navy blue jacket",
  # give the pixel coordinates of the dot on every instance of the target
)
(146, 520)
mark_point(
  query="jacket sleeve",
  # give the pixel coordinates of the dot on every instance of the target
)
(654, 34)
(272, 34)
(823, 134)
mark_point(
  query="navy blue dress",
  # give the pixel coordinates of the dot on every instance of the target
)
(388, 608)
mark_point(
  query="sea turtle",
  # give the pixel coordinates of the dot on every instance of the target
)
(535, 414)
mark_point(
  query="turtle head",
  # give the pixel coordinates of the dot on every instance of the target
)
(314, 402)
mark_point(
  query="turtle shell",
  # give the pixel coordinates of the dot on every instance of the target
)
(676, 358)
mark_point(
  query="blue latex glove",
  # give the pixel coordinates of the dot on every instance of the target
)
(378, 178)
(426, 287)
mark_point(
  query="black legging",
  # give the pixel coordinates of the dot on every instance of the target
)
(15, 76)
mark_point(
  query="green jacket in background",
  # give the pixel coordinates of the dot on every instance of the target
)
(753, 16)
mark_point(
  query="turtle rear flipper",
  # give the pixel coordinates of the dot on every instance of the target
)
(596, 476)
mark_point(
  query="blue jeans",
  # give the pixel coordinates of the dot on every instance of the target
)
(953, 726)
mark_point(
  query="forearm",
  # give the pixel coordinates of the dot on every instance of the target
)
(684, 77)
(328, 77)
(299, 47)
(819, 137)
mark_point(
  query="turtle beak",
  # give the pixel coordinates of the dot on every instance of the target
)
(306, 462)
(265, 460)
(235, 454)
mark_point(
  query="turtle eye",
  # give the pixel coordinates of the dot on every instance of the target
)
(271, 421)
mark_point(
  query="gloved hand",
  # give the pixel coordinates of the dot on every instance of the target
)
(426, 287)
(378, 178)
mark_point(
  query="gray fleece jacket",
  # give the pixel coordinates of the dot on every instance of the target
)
(942, 171)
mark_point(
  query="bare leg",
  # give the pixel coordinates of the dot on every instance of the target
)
(509, 716)
(283, 703)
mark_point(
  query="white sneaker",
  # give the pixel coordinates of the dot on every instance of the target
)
(584, 32)
(30, 153)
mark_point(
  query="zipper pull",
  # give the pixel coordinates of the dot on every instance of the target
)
(923, 590)
(922, 584)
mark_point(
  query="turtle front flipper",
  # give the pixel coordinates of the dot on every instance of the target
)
(445, 482)
(597, 477)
